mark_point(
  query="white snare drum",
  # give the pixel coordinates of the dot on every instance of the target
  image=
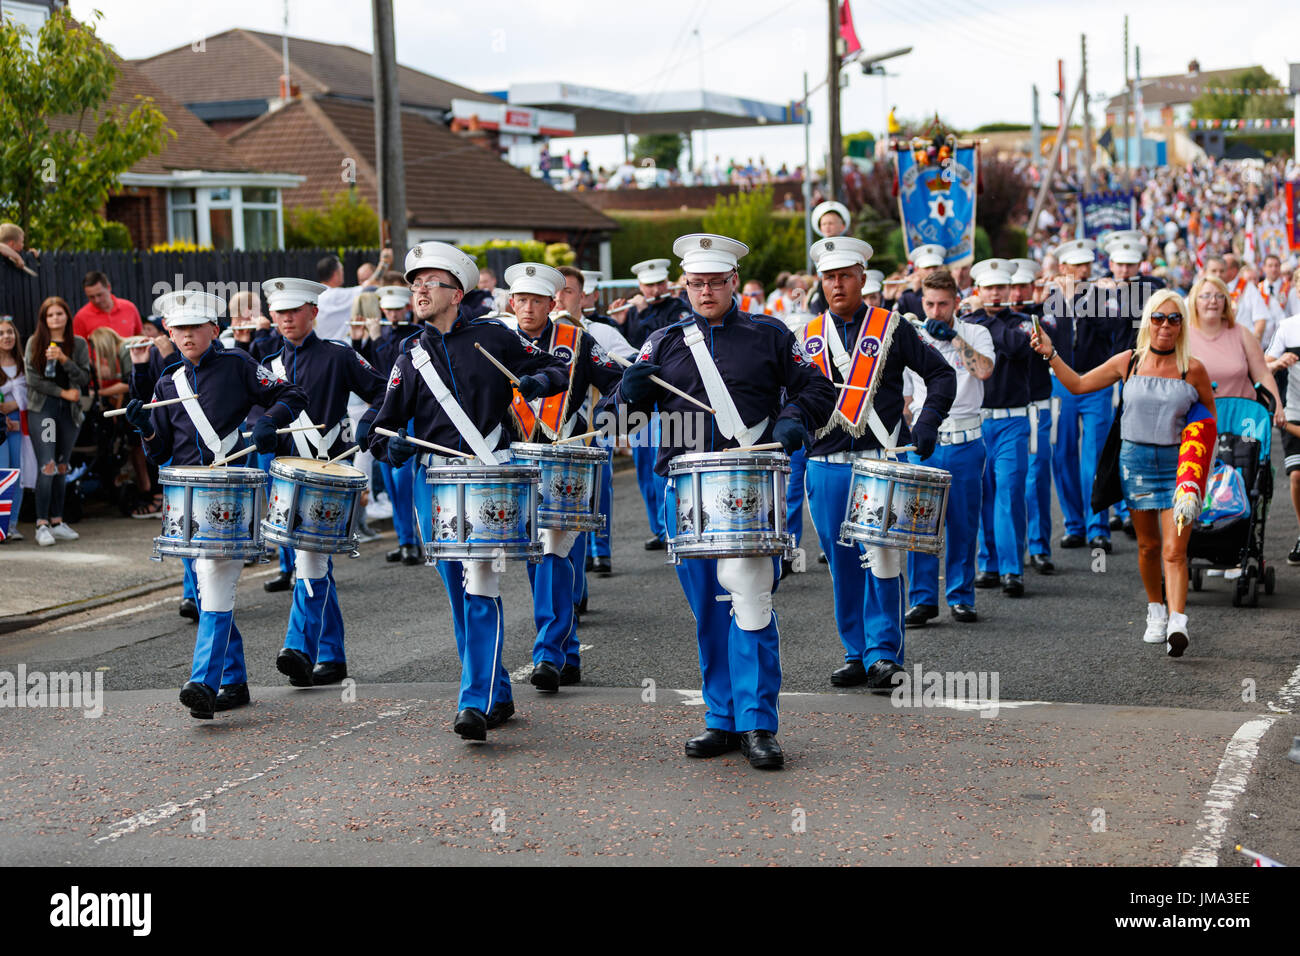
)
(570, 489)
(479, 512)
(211, 512)
(727, 505)
(314, 505)
(894, 504)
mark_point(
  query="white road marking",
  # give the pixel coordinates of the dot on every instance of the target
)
(1289, 696)
(521, 674)
(93, 622)
(67, 557)
(1229, 784)
(165, 811)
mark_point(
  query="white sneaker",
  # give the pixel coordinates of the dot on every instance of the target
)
(1176, 635)
(62, 532)
(14, 535)
(1157, 623)
(44, 536)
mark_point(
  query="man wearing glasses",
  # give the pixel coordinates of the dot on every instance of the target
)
(459, 399)
(754, 372)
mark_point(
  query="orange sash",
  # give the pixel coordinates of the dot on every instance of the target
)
(1237, 288)
(864, 363)
(1281, 293)
(554, 409)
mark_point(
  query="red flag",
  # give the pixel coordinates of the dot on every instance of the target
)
(847, 33)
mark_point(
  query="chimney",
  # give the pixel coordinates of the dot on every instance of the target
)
(1194, 67)
(288, 91)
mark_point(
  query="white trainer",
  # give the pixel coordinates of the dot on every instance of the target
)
(15, 535)
(44, 536)
(1176, 635)
(62, 532)
(1157, 623)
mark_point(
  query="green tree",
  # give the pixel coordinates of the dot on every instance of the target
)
(1247, 105)
(664, 148)
(346, 220)
(61, 147)
(775, 244)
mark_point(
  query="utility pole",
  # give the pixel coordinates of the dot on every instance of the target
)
(1087, 118)
(807, 179)
(388, 132)
(1139, 116)
(833, 102)
(1036, 134)
(1128, 96)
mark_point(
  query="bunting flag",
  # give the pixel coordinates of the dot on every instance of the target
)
(8, 488)
(1283, 123)
(936, 200)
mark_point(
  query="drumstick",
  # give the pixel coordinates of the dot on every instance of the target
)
(856, 388)
(286, 431)
(166, 401)
(441, 449)
(565, 441)
(492, 358)
(351, 451)
(769, 446)
(239, 454)
(659, 381)
(364, 322)
(897, 451)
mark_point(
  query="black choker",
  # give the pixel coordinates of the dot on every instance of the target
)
(1157, 351)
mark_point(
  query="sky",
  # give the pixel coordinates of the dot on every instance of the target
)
(973, 62)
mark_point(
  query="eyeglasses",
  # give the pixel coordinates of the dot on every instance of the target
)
(1160, 318)
(717, 285)
(420, 284)
(1211, 297)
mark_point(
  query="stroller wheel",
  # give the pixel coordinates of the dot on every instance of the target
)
(1196, 579)
(1239, 592)
(1270, 579)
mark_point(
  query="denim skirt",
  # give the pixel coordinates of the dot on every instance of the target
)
(1148, 474)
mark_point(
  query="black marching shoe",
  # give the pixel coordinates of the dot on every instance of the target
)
(787, 568)
(1116, 523)
(281, 582)
(964, 614)
(392, 557)
(762, 749)
(1041, 563)
(655, 544)
(200, 699)
(712, 743)
(295, 665)
(850, 675)
(472, 724)
(591, 564)
(328, 672)
(986, 579)
(1100, 542)
(231, 696)
(602, 566)
(582, 605)
(880, 676)
(190, 609)
(822, 559)
(411, 555)
(1071, 541)
(570, 674)
(919, 614)
(546, 678)
(1129, 530)
(1012, 585)
(499, 714)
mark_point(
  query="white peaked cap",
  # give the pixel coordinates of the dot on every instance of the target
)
(394, 297)
(836, 252)
(188, 308)
(1026, 271)
(992, 272)
(590, 280)
(441, 255)
(923, 257)
(705, 253)
(534, 277)
(651, 271)
(287, 293)
(823, 208)
(1076, 252)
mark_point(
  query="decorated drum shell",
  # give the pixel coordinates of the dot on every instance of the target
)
(720, 505)
(569, 496)
(312, 505)
(478, 512)
(896, 505)
(211, 512)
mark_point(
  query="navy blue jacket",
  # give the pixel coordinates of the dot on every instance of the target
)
(594, 369)
(266, 344)
(476, 303)
(144, 375)
(641, 322)
(909, 300)
(228, 382)
(478, 385)
(1008, 386)
(329, 372)
(762, 364)
(907, 350)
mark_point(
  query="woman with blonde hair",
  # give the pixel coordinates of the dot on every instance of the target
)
(1162, 381)
(1232, 355)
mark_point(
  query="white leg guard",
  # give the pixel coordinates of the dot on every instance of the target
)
(311, 567)
(750, 582)
(885, 562)
(559, 543)
(480, 579)
(217, 579)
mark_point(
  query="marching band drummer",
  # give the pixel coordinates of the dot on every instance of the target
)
(225, 384)
(1038, 481)
(742, 365)
(328, 372)
(533, 288)
(846, 344)
(459, 399)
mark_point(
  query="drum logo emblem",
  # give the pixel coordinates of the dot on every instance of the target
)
(563, 353)
(568, 487)
(869, 346)
(863, 507)
(919, 511)
(324, 512)
(224, 514)
(499, 513)
(740, 501)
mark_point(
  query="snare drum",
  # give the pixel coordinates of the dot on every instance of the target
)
(211, 512)
(894, 504)
(570, 489)
(727, 505)
(314, 505)
(479, 512)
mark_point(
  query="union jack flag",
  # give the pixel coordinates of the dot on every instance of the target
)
(8, 485)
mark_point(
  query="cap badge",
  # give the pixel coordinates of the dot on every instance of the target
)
(279, 286)
(417, 252)
(529, 270)
(830, 246)
(180, 299)
(706, 243)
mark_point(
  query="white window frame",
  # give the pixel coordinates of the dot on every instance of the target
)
(202, 182)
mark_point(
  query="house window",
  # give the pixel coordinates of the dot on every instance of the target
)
(261, 214)
(226, 217)
(184, 216)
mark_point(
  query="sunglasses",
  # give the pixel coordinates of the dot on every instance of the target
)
(1160, 318)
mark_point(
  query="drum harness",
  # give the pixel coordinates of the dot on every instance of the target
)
(481, 446)
(218, 446)
(309, 441)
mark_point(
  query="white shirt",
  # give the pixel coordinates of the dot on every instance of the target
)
(1288, 337)
(1251, 307)
(970, 390)
(334, 311)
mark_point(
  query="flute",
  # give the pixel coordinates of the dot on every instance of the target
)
(624, 308)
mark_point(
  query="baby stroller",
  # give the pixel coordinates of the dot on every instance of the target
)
(1245, 443)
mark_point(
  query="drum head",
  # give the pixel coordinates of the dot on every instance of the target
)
(576, 452)
(203, 475)
(685, 464)
(328, 469)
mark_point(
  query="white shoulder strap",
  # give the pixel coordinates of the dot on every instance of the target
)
(218, 446)
(424, 365)
(728, 417)
(309, 442)
(838, 355)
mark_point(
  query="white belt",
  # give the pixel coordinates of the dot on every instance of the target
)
(1043, 404)
(430, 460)
(1021, 411)
(960, 437)
(846, 457)
(965, 423)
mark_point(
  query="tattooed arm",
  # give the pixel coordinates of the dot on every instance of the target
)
(977, 363)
